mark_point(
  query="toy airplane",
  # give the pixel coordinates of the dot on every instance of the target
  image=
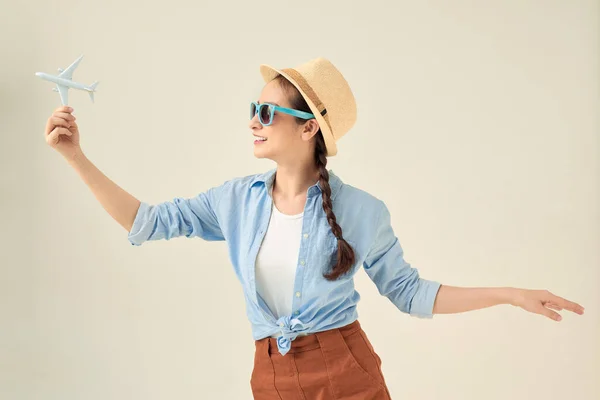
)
(63, 82)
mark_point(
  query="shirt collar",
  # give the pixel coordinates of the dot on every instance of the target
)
(268, 177)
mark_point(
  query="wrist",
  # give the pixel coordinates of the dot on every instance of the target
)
(512, 296)
(76, 157)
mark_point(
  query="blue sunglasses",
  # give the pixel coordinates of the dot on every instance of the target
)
(266, 111)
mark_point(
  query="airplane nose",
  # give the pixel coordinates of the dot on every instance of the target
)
(38, 74)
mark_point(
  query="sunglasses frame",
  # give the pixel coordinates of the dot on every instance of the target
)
(273, 108)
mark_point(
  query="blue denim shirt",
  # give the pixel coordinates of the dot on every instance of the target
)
(238, 211)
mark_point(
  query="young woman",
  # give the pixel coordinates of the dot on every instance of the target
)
(297, 234)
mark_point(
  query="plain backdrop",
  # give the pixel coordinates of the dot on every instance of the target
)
(478, 125)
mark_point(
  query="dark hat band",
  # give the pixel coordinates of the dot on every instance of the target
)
(295, 75)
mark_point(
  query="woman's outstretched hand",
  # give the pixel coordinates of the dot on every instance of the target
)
(62, 132)
(455, 299)
(543, 302)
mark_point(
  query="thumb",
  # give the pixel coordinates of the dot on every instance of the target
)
(54, 136)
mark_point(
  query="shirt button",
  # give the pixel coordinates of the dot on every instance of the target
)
(302, 262)
(281, 324)
(297, 294)
(305, 235)
(296, 312)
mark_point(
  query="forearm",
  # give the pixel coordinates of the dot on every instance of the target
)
(452, 299)
(121, 205)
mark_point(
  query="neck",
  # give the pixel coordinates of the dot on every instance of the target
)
(293, 181)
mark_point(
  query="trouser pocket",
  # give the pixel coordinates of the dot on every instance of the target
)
(353, 370)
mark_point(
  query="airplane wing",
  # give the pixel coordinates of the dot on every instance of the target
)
(64, 94)
(68, 72)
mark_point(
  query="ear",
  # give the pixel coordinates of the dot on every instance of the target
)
(310, 129)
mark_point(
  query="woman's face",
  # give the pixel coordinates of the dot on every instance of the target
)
(286, 139)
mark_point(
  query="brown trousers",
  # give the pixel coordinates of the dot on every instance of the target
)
(331, 365)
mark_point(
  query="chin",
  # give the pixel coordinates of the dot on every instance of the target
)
(259, 153)
(262, 151)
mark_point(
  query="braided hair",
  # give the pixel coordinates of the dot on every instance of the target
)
(345, 253)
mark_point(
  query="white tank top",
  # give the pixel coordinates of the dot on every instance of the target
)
(276, 261)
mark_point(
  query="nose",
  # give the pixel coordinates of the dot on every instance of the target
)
(38, 74)
(255, 123)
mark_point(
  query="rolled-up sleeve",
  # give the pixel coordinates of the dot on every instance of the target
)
(189, 217)
(393, 276)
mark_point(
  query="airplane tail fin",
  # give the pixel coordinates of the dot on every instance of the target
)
(92, 90)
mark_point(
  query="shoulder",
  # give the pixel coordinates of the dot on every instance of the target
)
(360, 213)
(358, 198)
(238, 184)
(358, 208)
(244, 181)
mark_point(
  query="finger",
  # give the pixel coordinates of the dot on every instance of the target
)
(63, 131)
(566, 304)
(56, 121)
(64, 109)
(549, 313)
(64, 115)
(49, 127)
(54, 136)
(553, 306)
(53, 122)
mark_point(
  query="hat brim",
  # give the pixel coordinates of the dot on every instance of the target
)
(269, 73)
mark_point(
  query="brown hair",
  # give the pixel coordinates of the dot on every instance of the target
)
(345, 253)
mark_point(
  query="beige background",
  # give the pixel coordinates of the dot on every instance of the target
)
(478, 125)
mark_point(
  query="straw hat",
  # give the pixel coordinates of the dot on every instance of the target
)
(327, 93)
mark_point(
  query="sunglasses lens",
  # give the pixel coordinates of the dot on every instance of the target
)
(265, 114)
